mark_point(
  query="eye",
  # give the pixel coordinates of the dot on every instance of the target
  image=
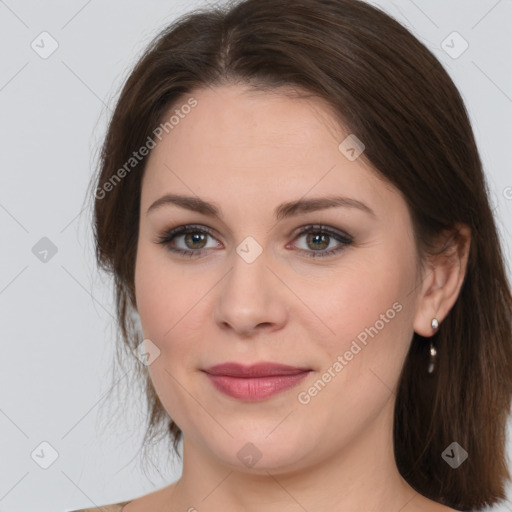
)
(193, 240)
(320, 238)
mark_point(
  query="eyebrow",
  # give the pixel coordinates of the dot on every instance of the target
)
(287, 209)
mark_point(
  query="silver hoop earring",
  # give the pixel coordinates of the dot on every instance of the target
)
(433, 351)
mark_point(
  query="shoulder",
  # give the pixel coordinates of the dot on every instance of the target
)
(156, 500)
(115, 507)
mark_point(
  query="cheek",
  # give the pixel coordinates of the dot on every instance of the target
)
(169, 305)
(161, 303)
(370, 312)
(154, 293)
(367, 307)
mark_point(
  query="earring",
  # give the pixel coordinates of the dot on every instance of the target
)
(433, 351)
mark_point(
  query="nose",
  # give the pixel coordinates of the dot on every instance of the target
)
(251, 298)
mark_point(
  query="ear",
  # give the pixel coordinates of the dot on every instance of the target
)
(443, 277)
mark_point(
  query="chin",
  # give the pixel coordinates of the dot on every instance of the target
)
(259, 452)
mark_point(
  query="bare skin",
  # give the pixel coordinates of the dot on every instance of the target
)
(166, 500)
(248, 152)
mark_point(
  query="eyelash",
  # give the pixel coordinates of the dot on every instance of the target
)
(167, 237)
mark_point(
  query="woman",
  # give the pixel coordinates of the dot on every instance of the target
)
(292, 204)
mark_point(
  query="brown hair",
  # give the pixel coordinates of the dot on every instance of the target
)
(390, 91)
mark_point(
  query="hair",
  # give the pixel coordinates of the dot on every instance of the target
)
(389, 90)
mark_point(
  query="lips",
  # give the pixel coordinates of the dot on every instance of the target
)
(255, 370)
(255, 382)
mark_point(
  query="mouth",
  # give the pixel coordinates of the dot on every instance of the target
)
(255, 382)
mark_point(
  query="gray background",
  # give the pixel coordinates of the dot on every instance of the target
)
(57, 316)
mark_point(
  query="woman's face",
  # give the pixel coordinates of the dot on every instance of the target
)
(336, 303)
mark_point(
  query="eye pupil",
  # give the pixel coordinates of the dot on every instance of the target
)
(195, 238)
(318, 238)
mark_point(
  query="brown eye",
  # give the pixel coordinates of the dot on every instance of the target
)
(318, 241)
(193, 240)
(319, 238)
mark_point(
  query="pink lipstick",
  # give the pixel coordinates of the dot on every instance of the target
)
(255, 382)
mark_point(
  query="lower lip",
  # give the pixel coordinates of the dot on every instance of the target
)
(255, 388)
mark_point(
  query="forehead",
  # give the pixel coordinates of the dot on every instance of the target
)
(238, 116)
(237, 142)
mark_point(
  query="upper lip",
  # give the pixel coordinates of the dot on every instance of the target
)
(262, 369)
